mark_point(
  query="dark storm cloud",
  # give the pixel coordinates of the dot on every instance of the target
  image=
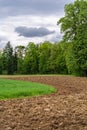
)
(33, 32)
(32, 7)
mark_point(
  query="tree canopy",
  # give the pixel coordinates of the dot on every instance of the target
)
(74, 23)
(74, 28)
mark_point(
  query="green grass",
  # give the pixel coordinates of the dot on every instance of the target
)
(18, 89)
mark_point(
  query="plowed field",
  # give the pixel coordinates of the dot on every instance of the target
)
(64, 110)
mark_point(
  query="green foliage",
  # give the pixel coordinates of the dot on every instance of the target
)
(1, 63)
(74, 22)
(19, 89)
(44, 54)
(19, 57)
(74, 27)
(15, 62)
(45, 58)
(57, 58)
(8, 58)
(31, 59)
(80, 55)
(71, 62)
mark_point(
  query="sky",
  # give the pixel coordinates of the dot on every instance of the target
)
(24, 21)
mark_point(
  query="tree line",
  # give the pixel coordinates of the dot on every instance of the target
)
(44, 58)
(69, 56)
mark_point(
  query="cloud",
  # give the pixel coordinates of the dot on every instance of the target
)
(8, 26)
(2, 44)
(29, 19)
(2, 38)
(32, 7)
(33, 32)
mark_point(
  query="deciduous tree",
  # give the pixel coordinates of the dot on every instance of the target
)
(74, 27)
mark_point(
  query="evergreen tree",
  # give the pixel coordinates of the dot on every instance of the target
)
(8, 58)
(15, 62)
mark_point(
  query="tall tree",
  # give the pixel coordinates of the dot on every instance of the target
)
(20, 53)
(74, 22)
(44, 55)
(74, 27)
(15, 62)
(57, 58)
(31, 59)
(1, 62)
(8, 58)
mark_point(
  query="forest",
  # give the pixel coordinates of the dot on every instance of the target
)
(69, 56)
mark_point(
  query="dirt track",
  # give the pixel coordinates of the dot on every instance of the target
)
(64, 110)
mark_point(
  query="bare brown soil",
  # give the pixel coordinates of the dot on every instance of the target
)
(64, 110)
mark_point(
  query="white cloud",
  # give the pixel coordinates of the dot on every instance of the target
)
(31, 14)
(7, 28)
(33, 7)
